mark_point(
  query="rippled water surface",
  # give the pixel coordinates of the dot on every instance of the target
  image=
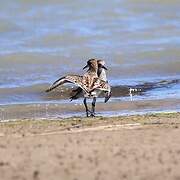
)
(43, 40)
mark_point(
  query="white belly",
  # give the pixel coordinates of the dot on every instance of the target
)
(95, 93)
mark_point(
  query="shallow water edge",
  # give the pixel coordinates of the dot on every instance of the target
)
(66, 110)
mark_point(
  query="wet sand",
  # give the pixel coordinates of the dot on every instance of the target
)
(131, 147)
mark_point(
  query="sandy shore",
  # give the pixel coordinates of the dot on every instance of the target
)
(132, 147)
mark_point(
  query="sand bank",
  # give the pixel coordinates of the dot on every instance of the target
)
(131, 147)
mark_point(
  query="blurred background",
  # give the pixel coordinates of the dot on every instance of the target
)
(43, 40)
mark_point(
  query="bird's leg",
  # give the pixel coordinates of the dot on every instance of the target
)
(86, 107)
(93, 107)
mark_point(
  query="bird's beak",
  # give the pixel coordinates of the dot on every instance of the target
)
(85, 67)
(104, 67)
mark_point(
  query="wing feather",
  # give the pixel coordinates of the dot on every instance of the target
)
(103, 86)
(74, 79)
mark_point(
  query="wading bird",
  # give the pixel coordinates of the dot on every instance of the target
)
(101, 72)
(90, 83)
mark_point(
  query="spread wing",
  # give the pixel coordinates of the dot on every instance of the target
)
(75, 79)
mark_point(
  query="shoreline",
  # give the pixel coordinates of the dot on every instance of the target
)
(126, 147)
(64, 110)
(90, 123)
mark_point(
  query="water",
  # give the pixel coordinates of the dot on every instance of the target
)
(43, 40)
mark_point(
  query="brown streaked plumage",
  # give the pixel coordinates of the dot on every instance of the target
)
(89, 83)
(101, 73)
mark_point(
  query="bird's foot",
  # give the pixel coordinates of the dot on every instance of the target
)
(92, 115)
(88, 113)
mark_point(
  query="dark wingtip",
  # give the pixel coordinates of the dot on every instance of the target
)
(50, 89)
(85, 67)
(73, 97)
(107, 97)
(47, 90)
